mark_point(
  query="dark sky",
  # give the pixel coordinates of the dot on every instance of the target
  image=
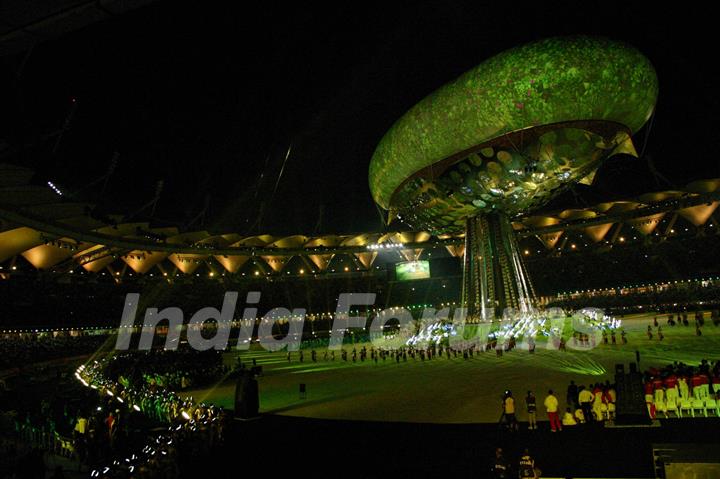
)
(208, 96)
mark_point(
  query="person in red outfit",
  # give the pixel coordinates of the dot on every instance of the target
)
(551, 406)
(110, 424)
(657, 383)
(649, 389)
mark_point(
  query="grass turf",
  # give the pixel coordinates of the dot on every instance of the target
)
(453, 390)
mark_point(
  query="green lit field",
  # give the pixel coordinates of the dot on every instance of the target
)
(453, 390)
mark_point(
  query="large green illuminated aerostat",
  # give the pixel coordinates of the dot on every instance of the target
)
(502, 140)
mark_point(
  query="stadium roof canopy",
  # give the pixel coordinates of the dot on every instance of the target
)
(52, 233)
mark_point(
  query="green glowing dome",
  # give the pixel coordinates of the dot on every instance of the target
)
(508, 134)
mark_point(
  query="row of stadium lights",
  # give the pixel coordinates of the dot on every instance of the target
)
(310, 315)
(381, 246)
(392, 246)
(256, 272)
(639, 286)
(56, 330)
(212, 245)
(346, 269)
(212, 273)
(314, 316)
(372, 247)
(374, 310)
(621, 239)
(54, 188)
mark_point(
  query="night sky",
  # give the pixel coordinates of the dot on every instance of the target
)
(209, 97)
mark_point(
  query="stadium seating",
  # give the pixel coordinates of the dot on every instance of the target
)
(712, 405)
(698, 405)
(672, 406)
